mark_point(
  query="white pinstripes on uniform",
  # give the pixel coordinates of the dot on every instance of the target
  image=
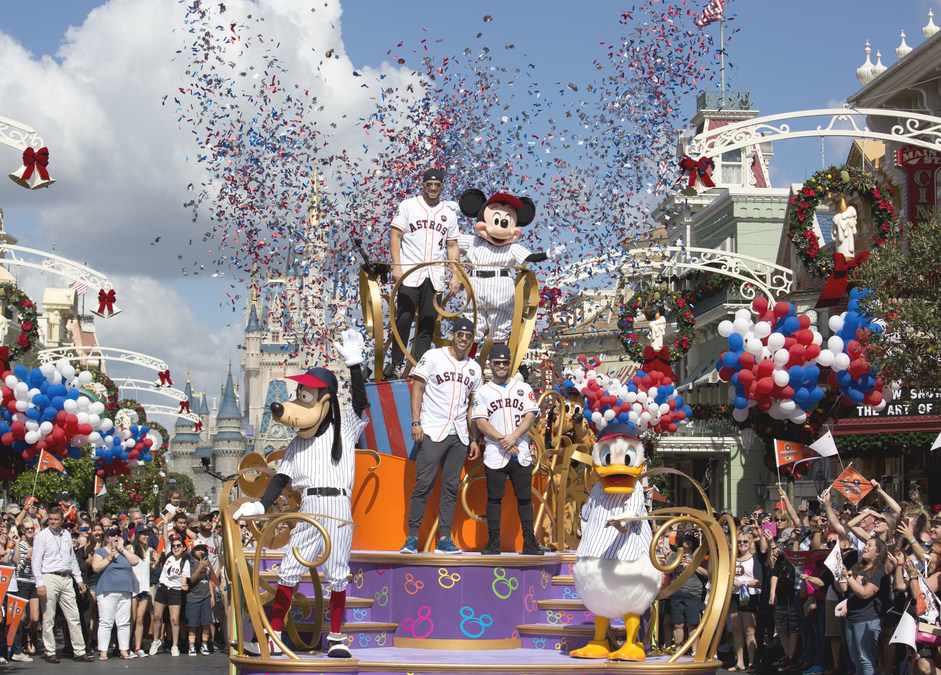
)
(425, 233)
(448, 386)
(309, 464)
(504, 407)
(600, 540)
(495, 295)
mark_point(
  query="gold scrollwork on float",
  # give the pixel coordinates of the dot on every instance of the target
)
(525, 308)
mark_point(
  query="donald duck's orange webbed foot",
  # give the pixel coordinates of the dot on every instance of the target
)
(596, 649)
(629, 652)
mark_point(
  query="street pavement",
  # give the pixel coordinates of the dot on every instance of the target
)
(214, 664)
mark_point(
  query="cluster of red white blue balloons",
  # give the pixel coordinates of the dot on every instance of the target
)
(44, 409)
(644, 402)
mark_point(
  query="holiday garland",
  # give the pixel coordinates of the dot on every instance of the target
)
(111, 390)
(827, 184)
(12, 296)
(131, 404)
(650, 301)
(158, 453)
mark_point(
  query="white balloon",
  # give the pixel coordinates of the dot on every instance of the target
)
(97, 407)
(781, 357)
(630, 396)
(825, 359)
(82, 417)
(726, 328)
(799, 418)
(22, 406)
(94, 438)
(753, 346)
(106, 424)
(70, 406)
(664, 408)
(642, 397)
(835, 344)
(652, 393)
(841, 362)
(609, 414)
(47, 369)
(743, 313)
(881, 405)
(645, 416)
(84, 377)
(21, 390)
(836, 323)
(787, 407)
(762, 329)
(634, 416)
(11, 381)
(595, 417)
(45, 428)
(781, 378)
(741, 325)
(818, 338)
(740, 415)
(32, 425)
(32, 437)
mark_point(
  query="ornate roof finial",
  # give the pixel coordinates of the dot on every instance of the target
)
(903, 49)
(930, 29)
(878, 69)
(864, 72)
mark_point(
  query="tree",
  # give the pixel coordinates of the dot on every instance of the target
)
(904, 278)
(77, 480)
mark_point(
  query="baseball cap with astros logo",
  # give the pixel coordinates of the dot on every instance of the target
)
(317, 378)
(432, 174)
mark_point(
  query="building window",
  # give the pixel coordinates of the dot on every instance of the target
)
(731, 171)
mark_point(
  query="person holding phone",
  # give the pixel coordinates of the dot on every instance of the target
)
(174, 579)
(114, 563)
(865, 604)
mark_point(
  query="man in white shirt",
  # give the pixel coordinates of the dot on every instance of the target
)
(442, 393)
(423, 230)
(504, 410)
(54, 568)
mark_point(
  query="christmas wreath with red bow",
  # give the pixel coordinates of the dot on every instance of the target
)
(111, 392)
(650, 301)
(827, 184)
(131, 404)
(12, 296)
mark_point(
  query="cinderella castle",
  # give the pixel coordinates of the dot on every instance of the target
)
(285, 326)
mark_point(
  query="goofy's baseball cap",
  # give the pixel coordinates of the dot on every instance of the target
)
(317, 378)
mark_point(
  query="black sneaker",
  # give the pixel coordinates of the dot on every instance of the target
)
(493, 545)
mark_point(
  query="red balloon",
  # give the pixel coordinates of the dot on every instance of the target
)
(874, 398)
(672, 428)
(725, 374)
(679, 415)
(759, 304)
(805, 336)
(812, 351)
(746, 359)
(781, 309)
(854, 349)
(647, 380)
(764, 405)
(746, 377)
(787, 392)
(797, 352)
(765, 385)
(766, 367)
(149, 442)
(789, 342)
(804, 321)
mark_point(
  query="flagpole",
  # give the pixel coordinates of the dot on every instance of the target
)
(722, 53)
(36, 479)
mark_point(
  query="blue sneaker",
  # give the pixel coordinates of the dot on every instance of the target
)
(447, 547)
(815, 670)
(410, 545)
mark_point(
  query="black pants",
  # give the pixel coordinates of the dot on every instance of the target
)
(408, 300)
(522, 479)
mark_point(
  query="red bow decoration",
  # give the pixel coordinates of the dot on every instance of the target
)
(697, 169)
(4, 359)
(658, 361)
(835, 288)
(35, 159)
(164, 376)
(106, 301)
(589, 365)
(198, 426)
(186, 405)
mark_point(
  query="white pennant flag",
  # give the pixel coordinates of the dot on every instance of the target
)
(834, 561)
(937, 443)
(905, 632)
(825, 446)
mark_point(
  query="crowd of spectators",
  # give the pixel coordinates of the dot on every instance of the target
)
(788, 617)
(117, 585)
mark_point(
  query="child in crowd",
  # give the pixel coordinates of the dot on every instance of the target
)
(199, 600)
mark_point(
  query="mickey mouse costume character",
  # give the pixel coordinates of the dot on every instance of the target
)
(319, 463)
(498, 227)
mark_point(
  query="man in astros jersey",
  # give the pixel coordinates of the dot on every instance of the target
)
(319, 463)
(504, 410)
(424, 229)
(441, 396)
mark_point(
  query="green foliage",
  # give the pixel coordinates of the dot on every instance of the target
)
(904, 278)
(78, 482)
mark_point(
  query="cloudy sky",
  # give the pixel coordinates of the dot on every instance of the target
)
(91, 77)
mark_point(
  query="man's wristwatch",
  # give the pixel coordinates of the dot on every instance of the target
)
(416, 424)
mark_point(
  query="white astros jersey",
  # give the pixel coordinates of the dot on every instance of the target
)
(426, 231)
(448, 386)
(504, 407)
(495, 293)
(309, 464)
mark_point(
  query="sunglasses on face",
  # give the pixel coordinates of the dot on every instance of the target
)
(27, 529)
(500, 363)
(780, 520)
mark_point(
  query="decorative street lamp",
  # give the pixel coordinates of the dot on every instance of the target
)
(156, 489)
(820, 481)
(761, 489)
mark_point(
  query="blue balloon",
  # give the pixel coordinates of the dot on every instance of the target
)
(856, 396)
(795, 376)
(687, 410)
(73, 394)
(149, 458)
(57, 390)
(679, 401)
(740, 402)
(20, 371)
(736, 342)
(623, 418)
(801, 397)
(730, 359)
(75, 453)
(811, 373)
(32, 413)
(791, 325)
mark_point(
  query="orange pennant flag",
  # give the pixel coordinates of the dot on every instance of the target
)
(6, 574)
(788, 452)
(100, 488)
(16, 607)
(48, 461)
(852, 484)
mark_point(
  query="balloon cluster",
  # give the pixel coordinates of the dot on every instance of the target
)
(855, 377)
(645, 402)
(771, 363)
(123, 449)
(43, 409)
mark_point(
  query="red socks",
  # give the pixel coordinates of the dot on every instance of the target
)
(337, 607)
(282, 603)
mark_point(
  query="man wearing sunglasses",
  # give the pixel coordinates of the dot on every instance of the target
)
(504, 410)
(441, 396)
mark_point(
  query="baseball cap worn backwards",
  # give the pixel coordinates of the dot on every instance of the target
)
(499, 352)
(462, 324)
(432, 174)
(317, 378)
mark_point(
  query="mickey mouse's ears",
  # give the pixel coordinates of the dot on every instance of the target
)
(527, 212)
(471, 202)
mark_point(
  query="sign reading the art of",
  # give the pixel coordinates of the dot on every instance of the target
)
(908, 402)
(921, 165)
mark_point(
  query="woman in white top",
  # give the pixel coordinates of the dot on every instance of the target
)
(141, 600)
(744, 602)
(174, 579)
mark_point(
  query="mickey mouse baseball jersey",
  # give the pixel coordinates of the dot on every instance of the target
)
(504, 407)
(448, 386)
(426, 231)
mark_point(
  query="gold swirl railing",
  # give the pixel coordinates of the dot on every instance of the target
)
(525, 308)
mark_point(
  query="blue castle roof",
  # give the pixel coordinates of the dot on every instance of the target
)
(229, 408)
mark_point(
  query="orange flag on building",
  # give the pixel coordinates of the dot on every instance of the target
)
(852, 484)
(48, 461)
(16, 607)
(788, 452)
(6, 574)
